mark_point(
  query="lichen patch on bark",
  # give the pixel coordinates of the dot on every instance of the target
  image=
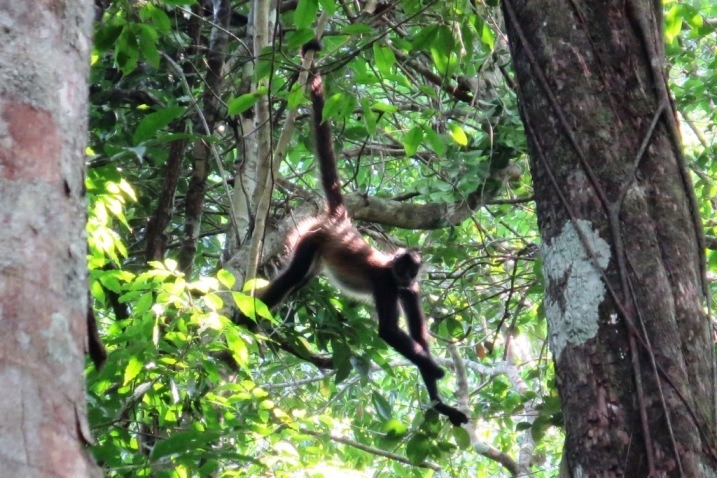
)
(575, 288)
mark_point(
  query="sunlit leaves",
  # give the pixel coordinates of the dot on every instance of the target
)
(134, 367)
(458, 135)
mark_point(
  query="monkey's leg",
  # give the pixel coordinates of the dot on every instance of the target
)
(295, 275)
(411, 303)
(388, 329)
(456, 417)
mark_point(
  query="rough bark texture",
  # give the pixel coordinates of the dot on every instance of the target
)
(631, 341)
(44, 64)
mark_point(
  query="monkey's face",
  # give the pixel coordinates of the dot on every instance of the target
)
(405, 266)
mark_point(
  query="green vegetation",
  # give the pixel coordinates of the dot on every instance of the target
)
(423, 112)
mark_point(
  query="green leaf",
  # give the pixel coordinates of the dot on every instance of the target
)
(383, 408)
(329, 6)
(384, 108)
(242, 103)
(134, 367)
(394, 428)
(238, 348)
(424, 38)
(384, 58)
(297, 38)
(487, 36)
(305, 13)
(673, 23)
(226, 278)
(159, 19)
(357, 29)
(153, 122)
(342, 360)
(332, 107)
(418, 447)
(413, 140)
(460, 435)
(126, 51)
(458, 135)
(179, 3)
(183, 441)
(441, 48)
(107, 34)
(213, 301)
(434, 140)
(296, 96)
(148, 44)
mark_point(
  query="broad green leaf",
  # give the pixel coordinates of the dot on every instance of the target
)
(134, 367)
(460, 435)
(442, 48)
(126, 51)
(153, 122)
(148, 44)
(413, 140)
(384, 108)
(383, 408)
(487, 36)
(458, 135)
(159, 19)
(299, 37)
(183, 441)
(127, 189)
(242, 103)
(418, 447)
(434, 140)
(673, 23)
(213, 301)
(342, 360)
(357, 29)
(226, 278)
(107, 34)
(329, 6)
(384, 58)
(424, 38)
(394, 428)
(305, 13)
(332, 107)
(238, 348)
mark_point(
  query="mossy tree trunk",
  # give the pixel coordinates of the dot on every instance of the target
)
(623, 248)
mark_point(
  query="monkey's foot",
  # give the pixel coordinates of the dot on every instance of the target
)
(456, 417)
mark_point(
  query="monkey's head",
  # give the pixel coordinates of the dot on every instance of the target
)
(405, 265)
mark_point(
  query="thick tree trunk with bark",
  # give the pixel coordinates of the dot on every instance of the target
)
(44, 64)
(623, 249)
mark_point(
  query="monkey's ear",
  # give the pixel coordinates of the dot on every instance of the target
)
(311, 45)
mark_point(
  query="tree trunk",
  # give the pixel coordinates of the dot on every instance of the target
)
(623, 248)
(44, 65)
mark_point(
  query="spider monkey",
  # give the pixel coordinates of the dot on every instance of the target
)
(331, 244)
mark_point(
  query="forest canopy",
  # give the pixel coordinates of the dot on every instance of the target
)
(201, 160)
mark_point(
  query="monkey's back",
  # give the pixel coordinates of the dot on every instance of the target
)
(345, 258)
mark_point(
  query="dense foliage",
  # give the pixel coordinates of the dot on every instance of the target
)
(423, 112)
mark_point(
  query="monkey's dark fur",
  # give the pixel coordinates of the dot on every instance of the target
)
(332, 245)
